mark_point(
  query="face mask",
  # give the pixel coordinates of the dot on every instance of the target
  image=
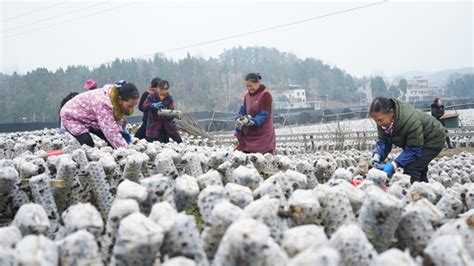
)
(389, 130)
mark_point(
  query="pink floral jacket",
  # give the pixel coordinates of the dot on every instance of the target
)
(93, 109)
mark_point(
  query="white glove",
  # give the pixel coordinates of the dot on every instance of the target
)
(376, 159)
(241, 121)
(244, 121)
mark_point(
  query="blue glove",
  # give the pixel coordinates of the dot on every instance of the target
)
(158, 105)
(388, 168)
(126, 136)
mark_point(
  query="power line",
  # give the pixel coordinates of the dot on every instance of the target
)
(256, 31)
(33, 11)
(211, 41)
(68, 20)
(54, 17)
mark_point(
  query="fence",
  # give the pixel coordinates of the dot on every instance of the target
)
(15, 127)
(220, 121)
(308, 117)
(340, 140)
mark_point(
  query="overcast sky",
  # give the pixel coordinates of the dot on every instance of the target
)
(388, 38)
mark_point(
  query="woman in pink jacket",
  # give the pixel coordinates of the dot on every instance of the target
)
(101, 112)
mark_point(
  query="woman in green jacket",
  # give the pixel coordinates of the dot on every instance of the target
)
(419, 134)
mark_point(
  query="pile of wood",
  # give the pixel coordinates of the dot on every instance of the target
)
(188, 124)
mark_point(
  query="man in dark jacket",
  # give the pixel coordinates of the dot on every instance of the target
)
(420, 136)
(437, 111)
(159, 127)
(140, 134)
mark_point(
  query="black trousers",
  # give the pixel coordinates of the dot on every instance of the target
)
(140, 134)
(448, 141)
(164, 138)
(86, 138)
(418, 169)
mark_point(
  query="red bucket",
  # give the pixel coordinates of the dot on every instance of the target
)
(356, 182)
(54, 153)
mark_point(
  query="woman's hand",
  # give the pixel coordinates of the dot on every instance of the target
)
(389, 168)
(126, 136)
(157, 105)
(244, 121)
(376, 159)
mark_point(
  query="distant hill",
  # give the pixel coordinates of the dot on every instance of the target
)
(197, 84)
(441, 77)
(438, 78)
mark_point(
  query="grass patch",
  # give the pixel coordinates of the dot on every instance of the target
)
(5, 222)
(194, 211)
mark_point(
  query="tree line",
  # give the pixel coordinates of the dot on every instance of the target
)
(460, 86)
(379, 88)
(457, 86)
(197, 84)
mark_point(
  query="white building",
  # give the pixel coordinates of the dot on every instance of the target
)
(365, 89)
(296, 96)
(418, 90)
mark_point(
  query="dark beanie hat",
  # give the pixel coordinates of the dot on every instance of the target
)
(128, 91)
(253, 77)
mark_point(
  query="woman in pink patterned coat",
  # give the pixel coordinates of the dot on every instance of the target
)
(101, 112)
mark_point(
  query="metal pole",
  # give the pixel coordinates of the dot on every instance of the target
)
(284, 121)
(212, 120)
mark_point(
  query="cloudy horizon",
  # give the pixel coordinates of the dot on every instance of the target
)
(387, 38)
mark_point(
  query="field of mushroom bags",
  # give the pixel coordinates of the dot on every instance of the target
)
(466, 117)
(99, 206)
